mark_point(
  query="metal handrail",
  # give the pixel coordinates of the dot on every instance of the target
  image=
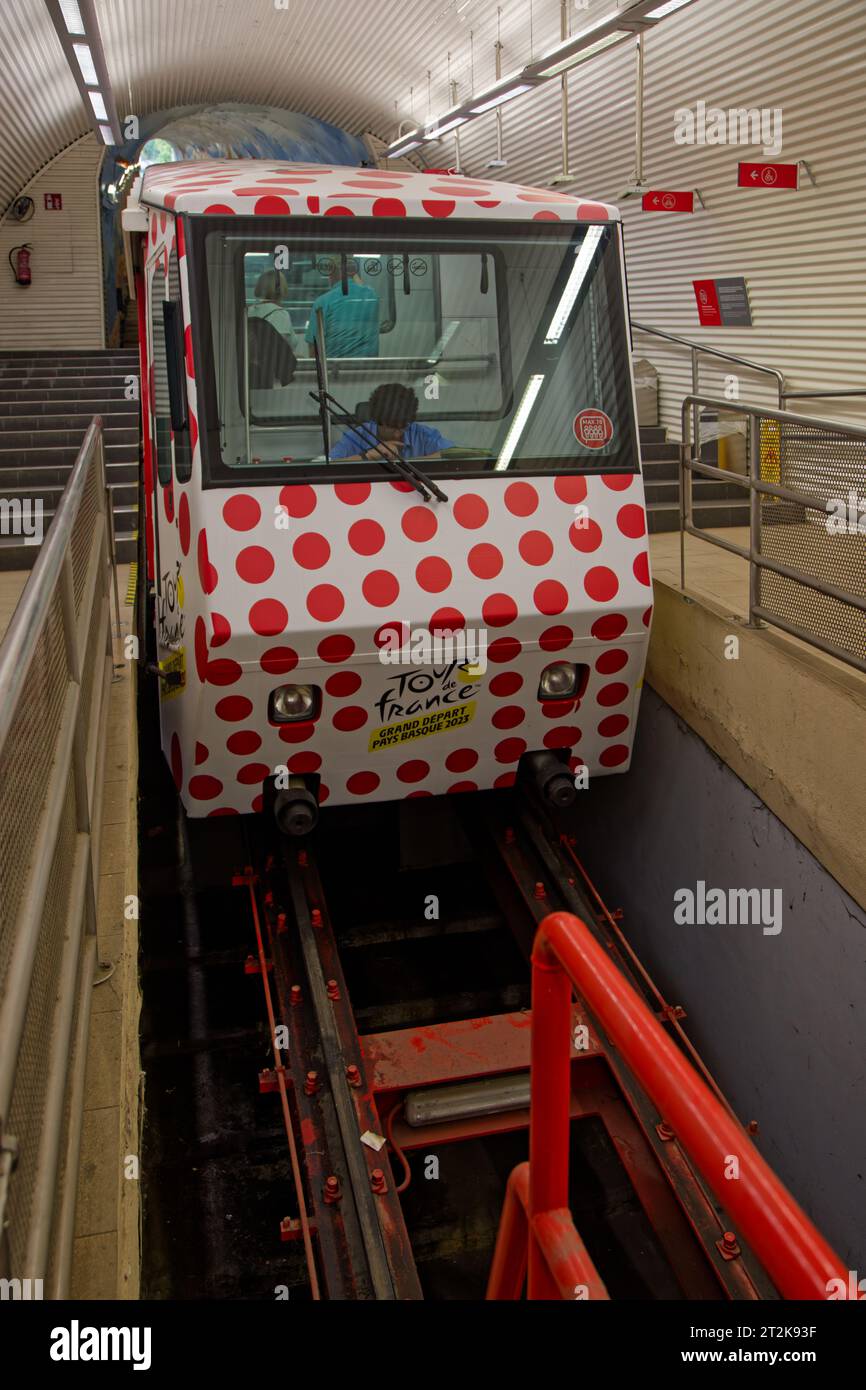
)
(690, 463)
(565, 954)
(77, 760)
(701, 349)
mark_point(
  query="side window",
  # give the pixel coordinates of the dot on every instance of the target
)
(182, 450)
(160, 404)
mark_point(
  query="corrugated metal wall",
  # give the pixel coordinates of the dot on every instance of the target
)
(62, 308)
(803, 253)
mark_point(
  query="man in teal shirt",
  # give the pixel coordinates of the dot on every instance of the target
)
(351, 320)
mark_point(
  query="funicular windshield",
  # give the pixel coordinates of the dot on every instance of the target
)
(477, 348)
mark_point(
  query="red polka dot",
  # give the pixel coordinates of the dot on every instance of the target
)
(499, 610)
(270, 205)
(446, 620)
(641, 569)
(242, 513)
(550, 597)
(323, 793)
(555, 639)
(601, 584)
(223, 672)
(631, 520)
(521, 499)
(201, 650)
(325, 603)
(485, 561)
(508, 717)
(304, 762)
(563, 736)
(204, 788)
(223, 811)
(402, 487)
(343, 683)
(253, 774)
(183, 523)
(338, 212)
(258, 803)
(216, 208)
(558, 709)
(350, 718)
(311, 551)
(353, 494)
(611, 661)
(609, 627)
(535, 548)
(234, 708)
(470, 511)
(438, 207)
(570, 489)
(433, 574)
(206, 572)
(503, 649)
(505, 779)
(366, 537)
(459, 787)
(391, 634)
(254, 564)
(244, 742)
(509, 750)
(413, 771)
(586, 537)
(269, 617)
(647, 616)
(614, 756)
(277, 661)
(360, 783)
(461, 760)
(335, 648)
(419, 524)
(388, 207)
(298, 499)
(380, 588)
(297, 733)
(612, 725)
(176, 759)
(506, 683)
(612, 694)
(220, 630)
(617, 482)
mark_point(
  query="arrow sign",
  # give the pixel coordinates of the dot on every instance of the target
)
(667, 200)
(768, 175)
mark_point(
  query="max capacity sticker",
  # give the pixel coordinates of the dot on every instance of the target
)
(407, 729)
(593, 429)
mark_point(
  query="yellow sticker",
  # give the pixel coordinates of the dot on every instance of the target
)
(173, 665)
(438, 722)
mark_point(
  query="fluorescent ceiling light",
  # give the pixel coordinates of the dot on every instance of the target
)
(575, 280)
(85, 62)
(518, 424)
(553, 69)
(434, 129)
(661, 10)
(107, 134)
(489, 104)
(72, 16)
(396, 152)
(97, 101)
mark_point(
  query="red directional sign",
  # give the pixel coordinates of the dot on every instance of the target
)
(768, 175)
(667, 200)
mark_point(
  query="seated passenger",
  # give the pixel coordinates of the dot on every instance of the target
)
(351, 320)
(271, 289)
(393, 409)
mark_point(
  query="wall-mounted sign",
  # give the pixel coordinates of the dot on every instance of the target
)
(768, 175)
(723, 303)
(667, 200)
(53, 202)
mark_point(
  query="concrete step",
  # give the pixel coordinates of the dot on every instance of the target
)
(26, 476)
(62, 455)
(123, 494)
(64, 438)
(83, 394)
(704, 490)
(52, 414)
(652, 434)
(665, 516)
(54, 382)
(663, 450)
(655, 470)
(67, 355)
(15, 555)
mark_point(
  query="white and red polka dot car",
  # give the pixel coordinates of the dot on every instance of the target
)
(355, 607)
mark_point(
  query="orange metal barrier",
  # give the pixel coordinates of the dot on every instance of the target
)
(537, 1234)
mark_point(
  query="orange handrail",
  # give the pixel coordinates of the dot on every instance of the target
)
(566, 954)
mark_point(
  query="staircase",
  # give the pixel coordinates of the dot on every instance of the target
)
(713, 503)
(47, 400)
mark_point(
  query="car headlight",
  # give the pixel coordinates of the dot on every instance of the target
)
(560, 681)
(293, 702)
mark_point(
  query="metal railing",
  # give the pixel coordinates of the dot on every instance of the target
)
(537, 1237)
(56, 665)
(795, 555)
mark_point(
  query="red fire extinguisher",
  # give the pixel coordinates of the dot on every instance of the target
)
(21, 264)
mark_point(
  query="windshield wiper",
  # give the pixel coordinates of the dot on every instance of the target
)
(323, 413)
(407, 470)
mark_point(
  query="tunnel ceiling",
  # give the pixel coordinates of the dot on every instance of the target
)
(341, 61)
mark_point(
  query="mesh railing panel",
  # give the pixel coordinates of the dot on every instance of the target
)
(81, 544)
(826, 545)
